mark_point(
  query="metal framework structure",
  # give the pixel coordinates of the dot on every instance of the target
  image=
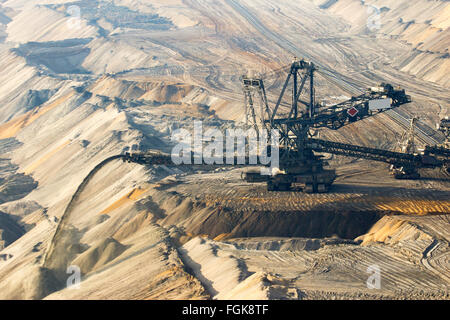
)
(254, 91)
(407, 145)
(298, 158)
(444, 127)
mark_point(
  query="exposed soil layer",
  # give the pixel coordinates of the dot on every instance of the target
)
(319, 224)
(10, 230)
(72, 97)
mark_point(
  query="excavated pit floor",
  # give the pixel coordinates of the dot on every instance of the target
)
(314, 246)
(223, 206)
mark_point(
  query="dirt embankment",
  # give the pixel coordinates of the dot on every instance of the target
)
(422, 24)
(225, 223)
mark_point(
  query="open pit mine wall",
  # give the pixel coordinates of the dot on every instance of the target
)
(422, 24)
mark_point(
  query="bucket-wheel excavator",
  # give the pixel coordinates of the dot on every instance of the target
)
(299, 162)
(300, 159)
